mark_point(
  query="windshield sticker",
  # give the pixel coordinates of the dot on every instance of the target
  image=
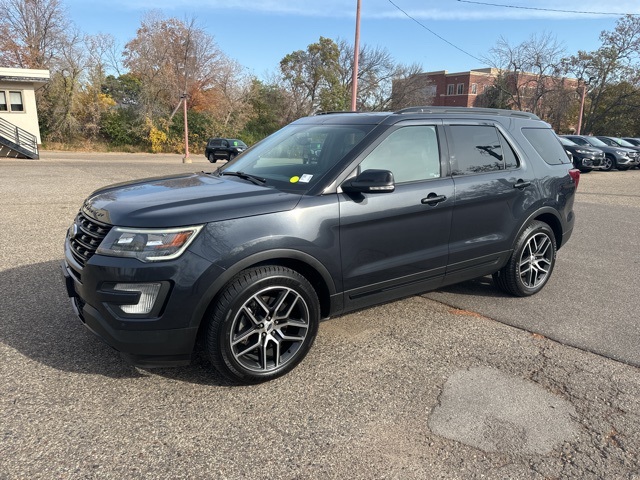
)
(306, 178)
(295, 179)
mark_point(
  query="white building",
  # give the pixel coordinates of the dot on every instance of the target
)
(19, 127)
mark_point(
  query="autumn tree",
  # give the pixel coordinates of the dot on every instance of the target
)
(171, 58)
(32, 33)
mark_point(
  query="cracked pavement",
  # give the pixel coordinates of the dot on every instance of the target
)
(417, 388)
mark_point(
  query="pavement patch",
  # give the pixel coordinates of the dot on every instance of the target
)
(487, 409)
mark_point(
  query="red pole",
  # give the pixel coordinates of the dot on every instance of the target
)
(584, 88)
(186, 158)
(356, 53)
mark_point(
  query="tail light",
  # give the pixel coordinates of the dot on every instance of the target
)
(575, 175)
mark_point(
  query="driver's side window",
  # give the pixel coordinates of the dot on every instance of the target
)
(410, 153)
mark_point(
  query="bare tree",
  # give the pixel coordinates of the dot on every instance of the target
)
(33, 32)
(530, 71)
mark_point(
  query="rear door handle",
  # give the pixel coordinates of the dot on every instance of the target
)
(521, 184)
(433, 199)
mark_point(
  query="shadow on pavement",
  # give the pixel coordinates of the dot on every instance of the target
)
(39, 323)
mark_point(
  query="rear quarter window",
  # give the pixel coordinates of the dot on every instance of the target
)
(544, 141)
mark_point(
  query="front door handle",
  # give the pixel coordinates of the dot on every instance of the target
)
(521, 184)
(433, 199)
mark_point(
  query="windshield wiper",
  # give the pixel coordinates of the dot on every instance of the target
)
(247, 176)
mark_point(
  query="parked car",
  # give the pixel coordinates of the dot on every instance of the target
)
(223, 149)
(633, 141)
(621, 142)
(621, 158)
(584, 158)
(250, 257)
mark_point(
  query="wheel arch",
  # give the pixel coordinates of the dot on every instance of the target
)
(306, 265)
(551, 218)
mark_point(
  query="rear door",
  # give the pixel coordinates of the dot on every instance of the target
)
(494, 188)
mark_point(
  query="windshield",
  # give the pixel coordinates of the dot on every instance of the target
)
(622, 142)
(596, 142)
(234, 142)
(296, 157)
(566, 141)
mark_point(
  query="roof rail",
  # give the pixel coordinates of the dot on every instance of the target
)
(332, 112)
(469, 110)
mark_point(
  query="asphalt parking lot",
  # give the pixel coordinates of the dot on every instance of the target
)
(458, 383)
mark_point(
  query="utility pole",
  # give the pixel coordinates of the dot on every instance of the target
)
(356, 53)
(186, 158)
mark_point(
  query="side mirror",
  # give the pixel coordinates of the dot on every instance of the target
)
(370, 181)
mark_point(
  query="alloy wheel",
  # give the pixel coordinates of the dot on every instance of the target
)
(536, 260)
(269, 329)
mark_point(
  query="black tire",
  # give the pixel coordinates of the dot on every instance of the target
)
(212, 159)
(531, 262)
(232, 156)
(623, 169)
(273, 309)
(608, 163)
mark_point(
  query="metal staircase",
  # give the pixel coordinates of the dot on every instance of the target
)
(16, 142)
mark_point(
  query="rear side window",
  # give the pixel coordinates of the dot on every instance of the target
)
(480, 149)
(544, 141)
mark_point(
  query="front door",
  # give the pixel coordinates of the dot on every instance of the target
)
(396, 244)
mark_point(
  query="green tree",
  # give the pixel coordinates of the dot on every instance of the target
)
(312, 78)
(608, 73)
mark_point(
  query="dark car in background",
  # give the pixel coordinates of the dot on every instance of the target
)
(223, 149)
(618, 157)
(249, 257)
(584, 158)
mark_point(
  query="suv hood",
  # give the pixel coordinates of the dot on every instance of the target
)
(180, 200)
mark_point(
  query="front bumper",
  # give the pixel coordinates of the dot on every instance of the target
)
(165, 337)
(627, 162)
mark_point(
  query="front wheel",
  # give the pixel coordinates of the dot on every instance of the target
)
(263, 324)
(608, 163)
(531, 262)
(212, 159)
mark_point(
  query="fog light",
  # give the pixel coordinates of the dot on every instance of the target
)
(148, 294)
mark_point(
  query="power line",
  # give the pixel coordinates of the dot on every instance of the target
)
(434, 33)
(547, 9)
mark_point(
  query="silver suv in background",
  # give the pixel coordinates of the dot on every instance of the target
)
(618, 157)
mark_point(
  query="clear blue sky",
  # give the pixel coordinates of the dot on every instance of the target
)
(258, 33)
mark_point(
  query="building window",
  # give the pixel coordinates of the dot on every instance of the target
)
(450, 89)
(474, 88)
(11, 102)
(16, 101)
(460, 88)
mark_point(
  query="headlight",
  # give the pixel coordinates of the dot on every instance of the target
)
(583, 152)
(148, 245)
(621, 153)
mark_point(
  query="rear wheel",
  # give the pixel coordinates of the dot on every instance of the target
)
(263, 325)
(212, 159)
(531, 262)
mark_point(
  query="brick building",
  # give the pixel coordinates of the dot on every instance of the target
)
(459, 89)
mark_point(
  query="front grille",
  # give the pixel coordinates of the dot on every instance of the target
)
(89, 234)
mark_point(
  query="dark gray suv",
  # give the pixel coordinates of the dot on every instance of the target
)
(251, 256)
